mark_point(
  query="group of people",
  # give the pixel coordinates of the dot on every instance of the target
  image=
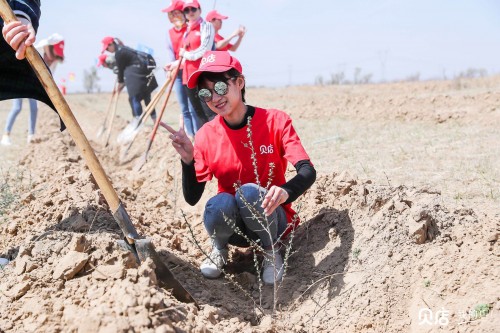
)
(253, 201)
(188, 39)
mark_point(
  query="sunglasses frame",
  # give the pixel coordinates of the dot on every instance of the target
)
(187, 10)
(220, 87)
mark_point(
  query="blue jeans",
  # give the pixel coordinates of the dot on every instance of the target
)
(191, 122)
(16, 109)
(235, 208)
(135, 103)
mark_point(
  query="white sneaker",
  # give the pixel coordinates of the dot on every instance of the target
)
(272, 270)
(211, 267)
(6, 140)
(30, 138)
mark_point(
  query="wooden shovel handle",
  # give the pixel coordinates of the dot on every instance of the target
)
(67, 116)
(169, 91)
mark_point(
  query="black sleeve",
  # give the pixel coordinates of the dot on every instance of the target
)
(191, 188)
(29, 9)
(305, 177)
(121, 62)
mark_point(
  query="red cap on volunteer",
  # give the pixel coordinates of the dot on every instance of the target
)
(105, 42)
(191, 3)
(101, 59)
(175, 5)
(213, 14)
(59, 49)
(216, 62)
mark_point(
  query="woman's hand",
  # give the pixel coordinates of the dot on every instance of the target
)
(181, 142)
(19, 35)
(274, 197)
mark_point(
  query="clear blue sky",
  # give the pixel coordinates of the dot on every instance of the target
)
(292, 41)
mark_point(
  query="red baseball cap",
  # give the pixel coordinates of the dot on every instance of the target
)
(175, 5)
(105, 42)
(213, 14)
(101, 59)
(59, 49)
(215, 62)
(191, 3)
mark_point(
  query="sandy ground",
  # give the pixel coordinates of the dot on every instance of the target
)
(399, 233)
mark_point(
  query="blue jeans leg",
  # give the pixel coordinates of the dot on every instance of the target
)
(33, 115)
(234, 208)
(190, 118)
(220, 206)
(14, 112)
(270, 228)
(135, 104)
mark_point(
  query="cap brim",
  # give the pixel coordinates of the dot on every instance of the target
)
(193, 79)
(168, 9)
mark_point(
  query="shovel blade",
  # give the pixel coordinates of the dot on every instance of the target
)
(141, 162)
(100, 132)
(145, 249)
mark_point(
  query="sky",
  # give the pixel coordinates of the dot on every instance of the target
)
(294, 42)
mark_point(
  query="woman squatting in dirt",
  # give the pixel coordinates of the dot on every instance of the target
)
(246, 149)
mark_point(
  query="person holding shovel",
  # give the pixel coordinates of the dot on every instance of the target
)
(132, 73)
(221, 43)
(198, 39)
(51, 50)
(21, 34)
(176, 35)
(247, 149)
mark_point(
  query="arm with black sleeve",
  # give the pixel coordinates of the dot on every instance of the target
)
(295, 187)
(305, 177)
(191, 188)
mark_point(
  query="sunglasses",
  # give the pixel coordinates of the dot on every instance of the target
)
(190, 9)
(220, 88)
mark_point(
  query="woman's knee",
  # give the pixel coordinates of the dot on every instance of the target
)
(222, 203)
(249, 194)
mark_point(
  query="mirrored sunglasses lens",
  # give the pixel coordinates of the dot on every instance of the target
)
(220, 88)
(205, 95)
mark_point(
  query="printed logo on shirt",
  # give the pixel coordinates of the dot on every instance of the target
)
(210, 58)
(266, 149)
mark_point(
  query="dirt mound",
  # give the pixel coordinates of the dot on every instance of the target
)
(366, 258)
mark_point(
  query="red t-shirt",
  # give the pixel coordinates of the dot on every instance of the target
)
(225, 153)
(191, 42)
(176, 37)
(218, 38)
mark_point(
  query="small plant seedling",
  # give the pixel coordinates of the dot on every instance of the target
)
(355, 253)
(482, 310)
(427, 283)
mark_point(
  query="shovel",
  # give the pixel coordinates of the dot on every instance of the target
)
(111, 118)
(108, 110)
(129, 134)
(140, 247)
(144, 158)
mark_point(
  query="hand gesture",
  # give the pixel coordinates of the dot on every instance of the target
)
(274, 197)
(181, 142)
(19, 35)
(242, 30)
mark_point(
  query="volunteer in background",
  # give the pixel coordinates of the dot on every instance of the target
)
(221, 43)
(51, 50)
(132, 73)
(174, 42)
(198, 39)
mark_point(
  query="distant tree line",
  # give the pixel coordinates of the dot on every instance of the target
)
(340, 78)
